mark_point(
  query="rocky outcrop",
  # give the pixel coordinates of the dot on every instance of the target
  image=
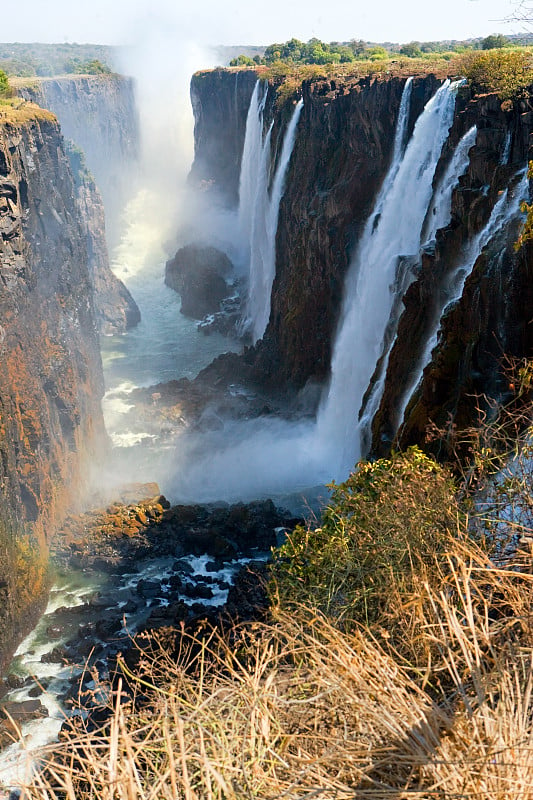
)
(51, 383)
(98, 113)
(199, 275)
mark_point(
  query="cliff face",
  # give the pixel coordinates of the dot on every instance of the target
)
(220, 102)
(98, 113)
(98, 118)
(341, 154)
(115, 308)
(51, 382)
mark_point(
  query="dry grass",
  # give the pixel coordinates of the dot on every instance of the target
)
(299, 709)
(15, 111)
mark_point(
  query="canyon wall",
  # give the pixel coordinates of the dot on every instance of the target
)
(98, 118)
(342, 152)
(51, 382)
(220, 102)
(98, 113)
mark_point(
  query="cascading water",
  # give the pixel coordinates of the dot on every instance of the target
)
(251, 162)
(505, 210)
(392, 231)
(438, 215)
(263, 261)
(258, 210)
(440, 210)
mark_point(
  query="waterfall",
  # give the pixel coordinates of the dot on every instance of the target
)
(392, 230)
(251, 161)
(258, 210)
(263, 254)
(505, 209)
(440, 210)
(438, 216)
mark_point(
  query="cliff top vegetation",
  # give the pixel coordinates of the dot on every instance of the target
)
(37, 59)
(315, 51)
(505, 70)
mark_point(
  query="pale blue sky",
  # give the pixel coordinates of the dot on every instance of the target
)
(238, 22)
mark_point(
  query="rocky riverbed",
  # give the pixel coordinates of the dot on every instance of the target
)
(141, 565)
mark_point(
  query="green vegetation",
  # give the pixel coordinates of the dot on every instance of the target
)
(45, 60)
(387, 516)
(506, 71)
(94, 67)
(526, 234)
(294, 52)
(494, 42)
(4, 85)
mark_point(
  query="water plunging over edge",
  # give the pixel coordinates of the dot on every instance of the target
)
(259, 210)
(393, 230)
(507, 207)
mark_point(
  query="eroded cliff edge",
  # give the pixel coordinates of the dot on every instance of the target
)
(51, 382)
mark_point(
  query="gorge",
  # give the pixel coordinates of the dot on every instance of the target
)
(371, 224)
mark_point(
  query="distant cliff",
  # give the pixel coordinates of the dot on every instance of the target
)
(98, 113)
(51, 382)
(340, 157)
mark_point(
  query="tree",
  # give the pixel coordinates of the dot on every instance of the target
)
(4, 84)
(494, 41)
(242, 61)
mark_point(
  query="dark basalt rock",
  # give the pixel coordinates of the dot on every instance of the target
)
(198, 274)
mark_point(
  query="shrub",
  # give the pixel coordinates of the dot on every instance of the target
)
(5, 90)
(390, 519)
(506, 72)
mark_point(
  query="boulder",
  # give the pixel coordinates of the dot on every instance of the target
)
(198, 275)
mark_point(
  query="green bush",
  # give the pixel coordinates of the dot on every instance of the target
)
(5, 90)
(506, 72)
(388, 524)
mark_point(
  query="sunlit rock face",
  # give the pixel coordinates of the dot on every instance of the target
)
(51, 383)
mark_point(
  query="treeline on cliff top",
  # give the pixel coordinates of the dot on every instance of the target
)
(317, 52)
(29, 60)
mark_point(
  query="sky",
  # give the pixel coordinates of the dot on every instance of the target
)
(235, 22)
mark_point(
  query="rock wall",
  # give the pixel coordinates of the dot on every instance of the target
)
(220, 101)
(51, 382)
(116, 310)
(98, 113)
